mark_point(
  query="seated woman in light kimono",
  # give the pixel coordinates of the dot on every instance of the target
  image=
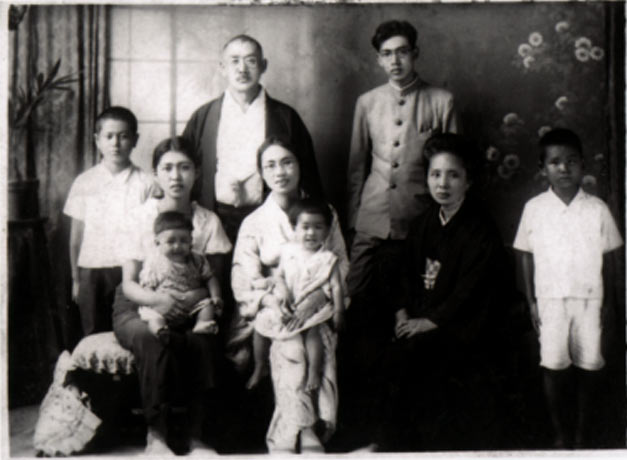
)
(256, 257)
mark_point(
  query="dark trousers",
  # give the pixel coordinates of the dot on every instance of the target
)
(173, 375)
(369, 327)
(232, 217)
(95, 297)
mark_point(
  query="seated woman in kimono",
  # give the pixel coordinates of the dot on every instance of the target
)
(451, 277)
(256, 257)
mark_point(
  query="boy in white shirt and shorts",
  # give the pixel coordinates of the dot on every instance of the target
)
(563, 235)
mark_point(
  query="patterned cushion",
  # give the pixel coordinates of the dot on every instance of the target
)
(102, 353)
(65, 424)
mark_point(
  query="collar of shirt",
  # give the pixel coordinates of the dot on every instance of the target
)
(557, 201)
(444, 219)
(408, 88)
(120, 177)
(233, 108)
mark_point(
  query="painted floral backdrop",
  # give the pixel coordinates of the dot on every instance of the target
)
(563, 64)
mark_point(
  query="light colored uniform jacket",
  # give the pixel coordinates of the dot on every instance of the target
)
(386, 177)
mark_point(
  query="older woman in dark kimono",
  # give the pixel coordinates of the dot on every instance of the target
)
(450, 281)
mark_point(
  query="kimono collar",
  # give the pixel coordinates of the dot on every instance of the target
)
(444, 219)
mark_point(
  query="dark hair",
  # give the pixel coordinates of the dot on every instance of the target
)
(559, 136)
(246, 39)
(456, 145)
(310, 206)
(173, 144)
(394, 28)
(275, 140)
(117, 113)
(172, 220)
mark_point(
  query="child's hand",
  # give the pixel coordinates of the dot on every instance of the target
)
(75, 288)
(535, 316)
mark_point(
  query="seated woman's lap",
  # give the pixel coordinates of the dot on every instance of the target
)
(170, 374)
(426, 377)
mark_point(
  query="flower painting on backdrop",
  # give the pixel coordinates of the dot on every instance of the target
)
(562, 68)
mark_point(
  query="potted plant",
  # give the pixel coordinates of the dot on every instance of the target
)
(24, 119)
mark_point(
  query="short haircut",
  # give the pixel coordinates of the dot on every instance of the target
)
(559, 136)
(394, 28)
(246, 39)
(117, 113)
(173, 144)
(310, 206)
(172, 220)
(456, 145)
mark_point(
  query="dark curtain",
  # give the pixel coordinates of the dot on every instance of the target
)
(62, 133)
(614, 318)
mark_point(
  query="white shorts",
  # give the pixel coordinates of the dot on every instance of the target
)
(570, 333)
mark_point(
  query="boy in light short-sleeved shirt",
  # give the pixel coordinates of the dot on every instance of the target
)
(99, 202)
(563, 235)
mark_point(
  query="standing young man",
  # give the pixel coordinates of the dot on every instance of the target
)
(386, 191)
(386, 177)
(227, 132)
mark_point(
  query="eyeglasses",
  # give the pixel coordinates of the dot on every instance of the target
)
(402, 53)
(285, 163)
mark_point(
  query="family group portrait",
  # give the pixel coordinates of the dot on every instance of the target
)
(314, 228)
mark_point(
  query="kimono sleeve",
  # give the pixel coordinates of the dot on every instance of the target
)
(247, 267)
(336, 244)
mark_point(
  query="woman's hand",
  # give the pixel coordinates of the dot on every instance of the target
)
(409, 328)
(306, 308)
(298, 318)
